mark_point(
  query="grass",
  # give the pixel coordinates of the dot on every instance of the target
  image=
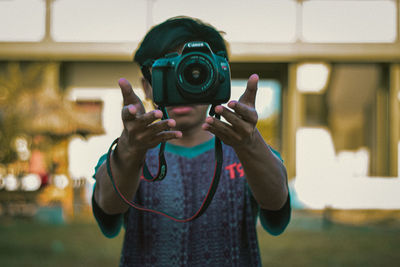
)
(306, 242)
(309, 241)
(76, 244)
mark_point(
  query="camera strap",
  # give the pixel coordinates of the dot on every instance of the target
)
(162, 172)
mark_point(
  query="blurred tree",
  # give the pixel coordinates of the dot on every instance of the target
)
(16, 79)
(269, 129)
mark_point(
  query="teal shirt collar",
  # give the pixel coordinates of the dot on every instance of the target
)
(190, 152)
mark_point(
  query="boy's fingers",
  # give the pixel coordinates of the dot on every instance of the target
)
(234, 119)
(247, 113)
(160, 126)
(165, 136)
(149, 117)
(249, 96)
(127, 93)
(129, 112)
(221, 129)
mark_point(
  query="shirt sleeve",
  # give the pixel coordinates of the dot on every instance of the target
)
(110, 225)
(275, 222)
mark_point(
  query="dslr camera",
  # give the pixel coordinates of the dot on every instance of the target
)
(197, 76)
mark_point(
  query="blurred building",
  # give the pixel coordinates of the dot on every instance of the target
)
(328, 96)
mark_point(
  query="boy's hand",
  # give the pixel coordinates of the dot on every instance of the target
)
(241, 129)
(141, 132)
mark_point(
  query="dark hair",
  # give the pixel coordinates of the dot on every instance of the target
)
(170, 34)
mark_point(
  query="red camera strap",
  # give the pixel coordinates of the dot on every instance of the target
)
(162, 172)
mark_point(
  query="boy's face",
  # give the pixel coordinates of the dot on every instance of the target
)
(188, 117)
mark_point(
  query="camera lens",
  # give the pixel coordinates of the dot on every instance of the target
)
(195, 74)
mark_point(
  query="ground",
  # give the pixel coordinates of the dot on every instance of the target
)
(308, 241)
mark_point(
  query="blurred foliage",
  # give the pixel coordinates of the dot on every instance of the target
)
(16, 79)
(269, 129)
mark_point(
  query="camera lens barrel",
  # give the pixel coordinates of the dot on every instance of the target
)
(196, 75)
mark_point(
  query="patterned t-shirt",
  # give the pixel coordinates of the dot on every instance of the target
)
(225, 235)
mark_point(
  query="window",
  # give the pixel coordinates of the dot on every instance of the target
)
(349, 21)
(22, 20)
(243, 21)
(99, 21)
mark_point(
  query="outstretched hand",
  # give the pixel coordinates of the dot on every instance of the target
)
(242, 119)
(142, 130)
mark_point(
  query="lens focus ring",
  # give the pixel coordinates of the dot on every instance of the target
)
(196, 75)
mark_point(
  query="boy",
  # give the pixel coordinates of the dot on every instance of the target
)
(253, 180)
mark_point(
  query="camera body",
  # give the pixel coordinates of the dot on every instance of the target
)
(197, 76)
